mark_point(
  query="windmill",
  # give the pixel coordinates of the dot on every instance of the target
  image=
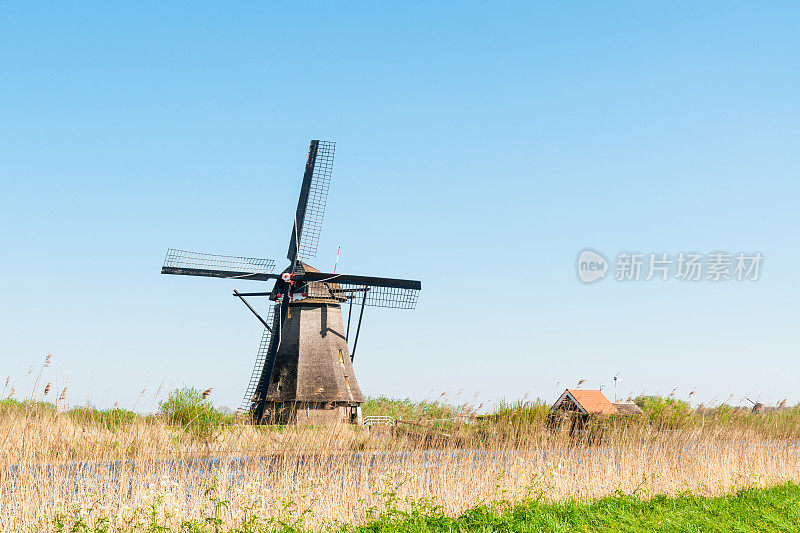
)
(304, 367)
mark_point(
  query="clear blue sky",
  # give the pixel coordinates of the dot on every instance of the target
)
(479, 149)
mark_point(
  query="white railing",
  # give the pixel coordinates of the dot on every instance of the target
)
(379, 421)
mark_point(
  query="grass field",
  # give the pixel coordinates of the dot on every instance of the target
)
(82, 469)
(768, 510)
(774, 509)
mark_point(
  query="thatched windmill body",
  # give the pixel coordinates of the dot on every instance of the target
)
(304, 367)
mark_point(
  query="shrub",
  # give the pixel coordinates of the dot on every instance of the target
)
(407, 410)
(666, 413)
(112, 419)
(187, 408)
(522, 412)
(26, 407)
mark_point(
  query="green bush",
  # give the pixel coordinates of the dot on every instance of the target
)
(112, 419)
(188, 409)
(666, 413)
(522, 412)
(26, 407)
(407, 410)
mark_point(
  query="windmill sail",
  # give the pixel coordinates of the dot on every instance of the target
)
(311, 204)
(263, 364)
(369, 290)
(376, 296)
(185, 263)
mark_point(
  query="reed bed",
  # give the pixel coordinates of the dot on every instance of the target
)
(62, 468)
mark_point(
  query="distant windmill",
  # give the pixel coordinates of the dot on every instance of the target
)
(303, 371)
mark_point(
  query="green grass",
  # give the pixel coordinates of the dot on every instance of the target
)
(410, 410)
(757, 510)
(520, 412)
(113, 419)
(26, 407)
(772, 509)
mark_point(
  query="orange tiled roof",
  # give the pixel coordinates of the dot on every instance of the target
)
(593, 401)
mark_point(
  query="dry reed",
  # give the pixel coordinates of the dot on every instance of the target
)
(53, 465)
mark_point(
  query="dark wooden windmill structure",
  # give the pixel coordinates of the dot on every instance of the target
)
(304, 367)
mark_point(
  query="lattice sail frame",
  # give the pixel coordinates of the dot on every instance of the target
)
(391, 297)
(261, 359)
(317, 198)
(184, 259)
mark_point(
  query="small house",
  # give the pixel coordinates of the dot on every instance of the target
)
(585, 401)
(577, 406)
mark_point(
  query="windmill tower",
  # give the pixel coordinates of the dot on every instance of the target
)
(304, 367)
